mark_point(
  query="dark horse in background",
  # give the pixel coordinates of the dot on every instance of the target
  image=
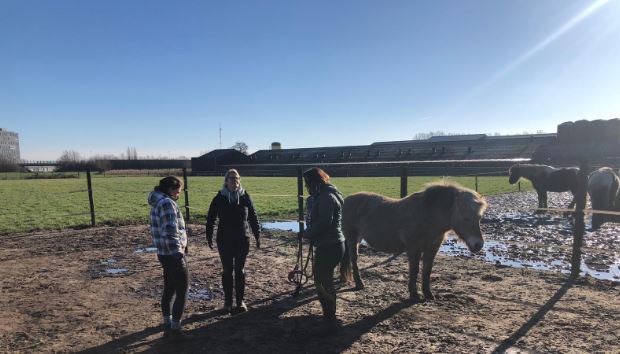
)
(547, 179)
(604, 187)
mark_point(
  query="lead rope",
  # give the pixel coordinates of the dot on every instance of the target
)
(299, 275)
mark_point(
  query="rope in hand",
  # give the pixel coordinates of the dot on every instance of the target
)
(299, 275)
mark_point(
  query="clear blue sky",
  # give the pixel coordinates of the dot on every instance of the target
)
(100, 76)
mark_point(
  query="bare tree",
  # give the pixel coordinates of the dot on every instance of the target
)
(69, 157)
(241, 147)
(132, 153)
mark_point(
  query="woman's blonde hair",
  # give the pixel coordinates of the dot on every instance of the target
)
(232, 171)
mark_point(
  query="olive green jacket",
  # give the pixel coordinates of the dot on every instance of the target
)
(326, 216)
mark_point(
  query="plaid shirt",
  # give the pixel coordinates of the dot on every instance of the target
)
(167, 225)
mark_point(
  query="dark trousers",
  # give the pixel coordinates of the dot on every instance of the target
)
(176, 282)
(233, 254)
(326, 258)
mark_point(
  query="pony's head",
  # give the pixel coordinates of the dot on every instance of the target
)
(514, 174)
(463, 207)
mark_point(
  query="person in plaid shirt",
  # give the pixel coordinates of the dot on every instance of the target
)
(170, 238)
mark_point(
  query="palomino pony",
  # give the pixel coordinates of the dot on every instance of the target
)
(415, 224)
(547, 179)
(603, 189)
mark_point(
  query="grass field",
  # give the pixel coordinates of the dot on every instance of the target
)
(41, 204)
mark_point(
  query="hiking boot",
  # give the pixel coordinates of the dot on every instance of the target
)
(167, 329)
(178, 335)
(242, 307)
(227, 307)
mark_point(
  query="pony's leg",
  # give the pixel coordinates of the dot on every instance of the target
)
(427, 262)
(354, 252)
(574, 201)
(542, 201)
(570, 206)
(414, 269)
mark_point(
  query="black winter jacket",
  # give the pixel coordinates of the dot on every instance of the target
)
(232, 218)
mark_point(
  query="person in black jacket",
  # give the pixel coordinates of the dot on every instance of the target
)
(325, 233)
(233, 208)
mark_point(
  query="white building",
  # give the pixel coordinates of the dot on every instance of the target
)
(9, 146)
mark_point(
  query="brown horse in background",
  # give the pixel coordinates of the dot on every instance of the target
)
(547, 179)
(415, 224)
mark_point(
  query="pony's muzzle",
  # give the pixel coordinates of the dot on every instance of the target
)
(475, 245)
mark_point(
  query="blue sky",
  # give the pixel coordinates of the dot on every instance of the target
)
(161, 76)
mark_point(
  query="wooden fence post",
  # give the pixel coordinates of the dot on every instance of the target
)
(300, 200)
(579, 216)
(519, 184)
(403, 181)
(90, 198)
(476, 183)
(187, 215)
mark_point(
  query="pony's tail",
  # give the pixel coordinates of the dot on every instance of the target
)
(345, 265)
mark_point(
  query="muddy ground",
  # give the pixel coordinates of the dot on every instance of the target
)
(59, 293)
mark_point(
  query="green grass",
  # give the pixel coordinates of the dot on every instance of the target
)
(63, 203)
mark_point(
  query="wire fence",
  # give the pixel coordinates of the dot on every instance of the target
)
(105, 203)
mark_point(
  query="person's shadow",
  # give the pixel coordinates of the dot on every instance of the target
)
(260, 330)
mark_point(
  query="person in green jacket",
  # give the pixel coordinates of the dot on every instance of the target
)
(325, 234)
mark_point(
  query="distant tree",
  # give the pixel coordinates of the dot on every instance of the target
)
(241, 147)
(132, 154)
(69, 157)
(70, 160)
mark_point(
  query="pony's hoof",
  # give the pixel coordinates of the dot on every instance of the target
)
(428, 296)
(359, 286)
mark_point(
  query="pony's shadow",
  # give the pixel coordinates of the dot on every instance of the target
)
(536, 318)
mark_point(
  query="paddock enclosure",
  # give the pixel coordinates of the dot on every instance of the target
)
(97, 290)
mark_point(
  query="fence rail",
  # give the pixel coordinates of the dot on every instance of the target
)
(404, 172)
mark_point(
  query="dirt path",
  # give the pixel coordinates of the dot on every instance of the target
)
(57, 297)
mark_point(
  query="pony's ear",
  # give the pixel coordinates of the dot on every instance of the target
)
(439, 197)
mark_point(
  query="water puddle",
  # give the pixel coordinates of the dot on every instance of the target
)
(289, 225)
(515, 256)
(510, 254)
(146, 250)
(200, 294)
(116, 270)
(102, 268)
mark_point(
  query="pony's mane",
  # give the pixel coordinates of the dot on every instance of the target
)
(475, 201)
(527, 170)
